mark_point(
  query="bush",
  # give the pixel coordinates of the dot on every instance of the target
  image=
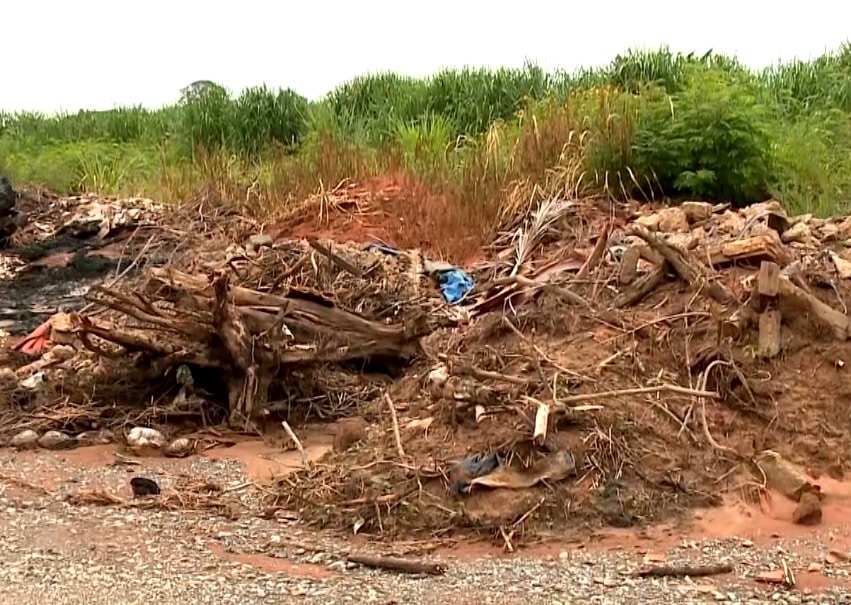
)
(709, 140)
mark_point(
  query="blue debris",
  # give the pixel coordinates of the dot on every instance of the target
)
(384, 249)
(471, 467)
(454, 284)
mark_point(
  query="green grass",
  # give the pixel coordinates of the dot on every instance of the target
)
(651, 124)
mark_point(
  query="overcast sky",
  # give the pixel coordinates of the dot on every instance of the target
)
(97, 54)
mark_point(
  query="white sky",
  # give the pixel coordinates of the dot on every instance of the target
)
(96, 54)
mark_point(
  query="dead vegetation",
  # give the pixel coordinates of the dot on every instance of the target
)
(613, 365)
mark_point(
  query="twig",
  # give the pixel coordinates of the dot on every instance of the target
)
(596, 253)
(488, 375)
(689, 273)
(304, 460)
(699, 571)
(400, 565)
(541, 421)
(701, 385)
(508, 545)
(662, 388)
(335, 258)
(111, 283)
(395, 420)
(641, 288)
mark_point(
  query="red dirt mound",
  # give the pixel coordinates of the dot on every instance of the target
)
(394, 209)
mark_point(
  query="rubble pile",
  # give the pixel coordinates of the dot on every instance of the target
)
(612, 365)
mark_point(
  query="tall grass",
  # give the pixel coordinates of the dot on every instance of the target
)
(651, 124)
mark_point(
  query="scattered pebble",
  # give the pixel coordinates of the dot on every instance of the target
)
(52, 551)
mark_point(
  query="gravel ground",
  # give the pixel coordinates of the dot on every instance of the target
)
(53, 551)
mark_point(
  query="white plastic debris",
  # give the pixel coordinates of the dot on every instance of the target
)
(141, 437)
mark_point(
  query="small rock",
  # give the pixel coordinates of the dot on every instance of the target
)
(54, 440)
(338, 566)
(801, 218)
(144, 487)
(799, 232)
(814, 567)
(775, 576)
(257, 241)
(179, 448)
(808, 511)
(829, 232)
(27, 439)
(101, 437)
(349, 432)
(697, 211)
(747, 544)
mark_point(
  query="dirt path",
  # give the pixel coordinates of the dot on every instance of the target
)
(51, 549)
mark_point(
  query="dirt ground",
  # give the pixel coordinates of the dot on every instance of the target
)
(303, 563)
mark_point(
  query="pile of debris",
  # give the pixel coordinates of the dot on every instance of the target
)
(614, 365)
(617, 368)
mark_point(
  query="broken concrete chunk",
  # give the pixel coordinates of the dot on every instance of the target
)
(731, 223)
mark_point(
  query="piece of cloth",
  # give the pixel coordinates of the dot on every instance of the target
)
(454, 285)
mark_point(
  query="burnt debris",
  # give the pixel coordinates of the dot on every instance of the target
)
(10, 217)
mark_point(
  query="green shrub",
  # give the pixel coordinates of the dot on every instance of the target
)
(710, 140)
